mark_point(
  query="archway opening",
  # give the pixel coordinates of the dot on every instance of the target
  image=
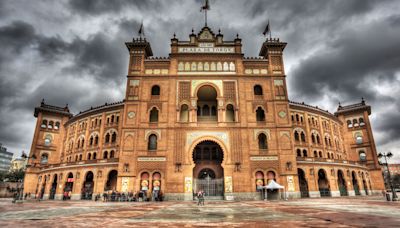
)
(87, 190)
(207, 104)
(364, 184)
(356, 187)
(323, 184)
(111, 183)
(303, 183)
(272, 194)
(68, 186)
(342, 184)
(53, 187)
(208, 173)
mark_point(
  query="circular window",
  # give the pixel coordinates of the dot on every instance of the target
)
(363, 156)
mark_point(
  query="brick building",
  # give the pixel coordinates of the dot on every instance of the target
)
(204, 118)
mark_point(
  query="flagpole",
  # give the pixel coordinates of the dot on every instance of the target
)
(205, 15)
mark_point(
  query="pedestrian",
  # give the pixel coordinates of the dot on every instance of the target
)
(199, 196)
(69, 195)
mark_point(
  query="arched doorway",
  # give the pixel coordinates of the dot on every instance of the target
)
(364, 184)
(87, 190)
(68, 186)
(355, 184)
(272, 194)
(342, 184)
(111, 183)
(207, 104)
(43, 187)
(323, 184)
(208, 173)
(53, 187)
(303, 183)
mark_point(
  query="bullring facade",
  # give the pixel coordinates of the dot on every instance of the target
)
(204, 118)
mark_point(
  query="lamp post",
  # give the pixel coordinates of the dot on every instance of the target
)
(386, 156)
(20, 190)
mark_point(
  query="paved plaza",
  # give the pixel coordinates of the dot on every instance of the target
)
(325, 212)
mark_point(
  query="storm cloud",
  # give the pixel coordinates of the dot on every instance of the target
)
(73, 52)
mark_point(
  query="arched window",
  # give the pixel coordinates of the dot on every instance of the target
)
(349, 124)
(154, 115)
(206, 110)
(89, 156)
(315, 154)
(44, 159)
(44, 124)
(112, 119)
(114, 137)
(155, 90)
(198, 111)
(258, 90)
(260, 115)
(80, 157)
(57, 126)
(96, 140)
(94, 155)
(305, 153)
(361, 121)
(262, 142)
(76, 157)
(107, 139)
(51, 124)
(329, 156)
(184, 113)
(296, 136)
(363, 155)
(303, 136)
(298, 152)
(355, 123)
(213, 110)
(320, 154)
(152, 142)
(91, 141)
(105, 155)
(230, 113)
(359, 139)
(82, 142)
(112, 154)
(318, 140)
(313, 138)
(297, 118)
(47, 140)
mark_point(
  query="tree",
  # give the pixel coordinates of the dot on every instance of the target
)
(15, 176)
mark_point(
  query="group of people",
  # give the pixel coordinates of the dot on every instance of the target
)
(115, 196)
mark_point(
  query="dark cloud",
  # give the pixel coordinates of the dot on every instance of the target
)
(73, 52)
(95, 7)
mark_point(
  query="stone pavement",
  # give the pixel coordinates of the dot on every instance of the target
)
(323, 212)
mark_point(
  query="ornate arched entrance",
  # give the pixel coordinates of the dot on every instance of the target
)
(53, 187)
(323, 184)
(87, 190)
(303, 183)
(356, 187)
(208, 173)
(342, 184)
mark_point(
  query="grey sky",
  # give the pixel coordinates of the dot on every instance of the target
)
(73, 52)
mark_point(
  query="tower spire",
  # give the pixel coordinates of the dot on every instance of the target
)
(204, 8)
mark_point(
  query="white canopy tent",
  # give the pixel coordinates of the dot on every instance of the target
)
(273, 185)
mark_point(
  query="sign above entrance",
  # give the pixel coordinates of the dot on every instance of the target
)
(151, 159)
(263, 158)
(206, 50)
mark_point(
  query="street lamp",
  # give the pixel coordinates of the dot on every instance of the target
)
(20, 190)
(386, 156)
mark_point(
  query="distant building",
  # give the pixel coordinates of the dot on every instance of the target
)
(18, 164)
(5, 158)
(394, 168)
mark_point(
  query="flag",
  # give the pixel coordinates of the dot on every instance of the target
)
(267, 29)
(141, 29)
(206, 6)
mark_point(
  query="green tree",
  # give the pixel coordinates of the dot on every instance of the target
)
(15, 176)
